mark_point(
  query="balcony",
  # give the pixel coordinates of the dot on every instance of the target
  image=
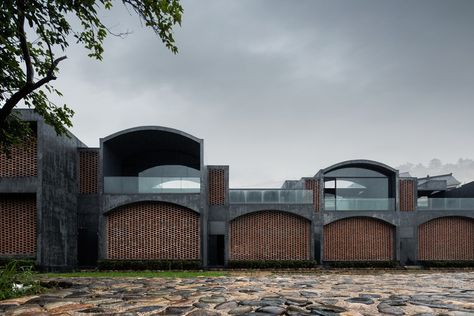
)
(444, 204)
(270, 196)
(142, 185)
(366, 204)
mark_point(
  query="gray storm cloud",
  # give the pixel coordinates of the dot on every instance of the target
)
(282, 89)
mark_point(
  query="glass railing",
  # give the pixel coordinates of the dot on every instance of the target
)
(343, 204)
(424, 203)
(277, 196)
(137, 185)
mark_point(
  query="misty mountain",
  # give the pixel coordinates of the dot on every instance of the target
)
(463, 169)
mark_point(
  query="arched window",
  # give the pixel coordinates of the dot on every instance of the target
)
(358, 188)
(151, 160)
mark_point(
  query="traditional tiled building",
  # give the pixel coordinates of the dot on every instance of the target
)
(146, 194)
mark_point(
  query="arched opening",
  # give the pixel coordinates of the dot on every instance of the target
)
(153, 230)
(359, 186)
(269, 235)
(151, 160)
(446, 238)
(359, 239)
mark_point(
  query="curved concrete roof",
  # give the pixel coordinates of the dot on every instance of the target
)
(143, 147)
(360, 162)
(151, 128)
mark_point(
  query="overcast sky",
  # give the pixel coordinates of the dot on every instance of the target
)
(281, 89)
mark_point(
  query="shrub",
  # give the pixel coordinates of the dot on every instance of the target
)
(16, 279)
(272, 264)
(27, 262)
(149, 265)
(362, 264)
(448, 264)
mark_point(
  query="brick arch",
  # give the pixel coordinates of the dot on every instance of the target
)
(446, 238)
(359, 239)
(269, 235)
(153, 230)
(116, 202)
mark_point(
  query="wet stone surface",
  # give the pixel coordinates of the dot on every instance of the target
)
(327, 294)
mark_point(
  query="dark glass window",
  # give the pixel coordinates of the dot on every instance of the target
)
(356, 188)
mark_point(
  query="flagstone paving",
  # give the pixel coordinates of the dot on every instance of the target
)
(327, 294)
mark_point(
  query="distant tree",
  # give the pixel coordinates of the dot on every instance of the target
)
(33, 32)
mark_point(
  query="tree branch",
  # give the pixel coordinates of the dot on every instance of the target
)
(120, 34)
(30, 85)
(54, 64)
(23, 43)
(27, 89)
(45, 38)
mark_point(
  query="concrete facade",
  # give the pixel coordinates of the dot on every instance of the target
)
(77, 188)
(55, 186)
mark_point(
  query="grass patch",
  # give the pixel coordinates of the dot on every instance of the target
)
(135, 274)
(17, 279)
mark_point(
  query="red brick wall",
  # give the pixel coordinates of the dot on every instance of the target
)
(216, 179)
(18, 225)
(313, 184)
(88, 169)
(446, 238)
(23, 161)
(358, 239)
(269, 235)
(153, 230)
(407, 195)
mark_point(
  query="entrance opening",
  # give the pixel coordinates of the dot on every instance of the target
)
(87, 247)
(216, 251)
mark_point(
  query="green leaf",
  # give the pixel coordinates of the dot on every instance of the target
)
(50, 25)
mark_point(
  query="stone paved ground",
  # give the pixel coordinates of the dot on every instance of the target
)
(341, 293)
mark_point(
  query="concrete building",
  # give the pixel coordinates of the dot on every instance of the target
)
(146, 194)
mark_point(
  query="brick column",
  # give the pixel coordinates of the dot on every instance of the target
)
(88, 171)
(407, 195)
(313, 184)
(218, 185)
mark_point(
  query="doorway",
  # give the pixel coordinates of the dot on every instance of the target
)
(216, 250)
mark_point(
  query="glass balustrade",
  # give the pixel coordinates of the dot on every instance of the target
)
(424, 203)
(138, 185)
(366, 204)
(276, 196)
